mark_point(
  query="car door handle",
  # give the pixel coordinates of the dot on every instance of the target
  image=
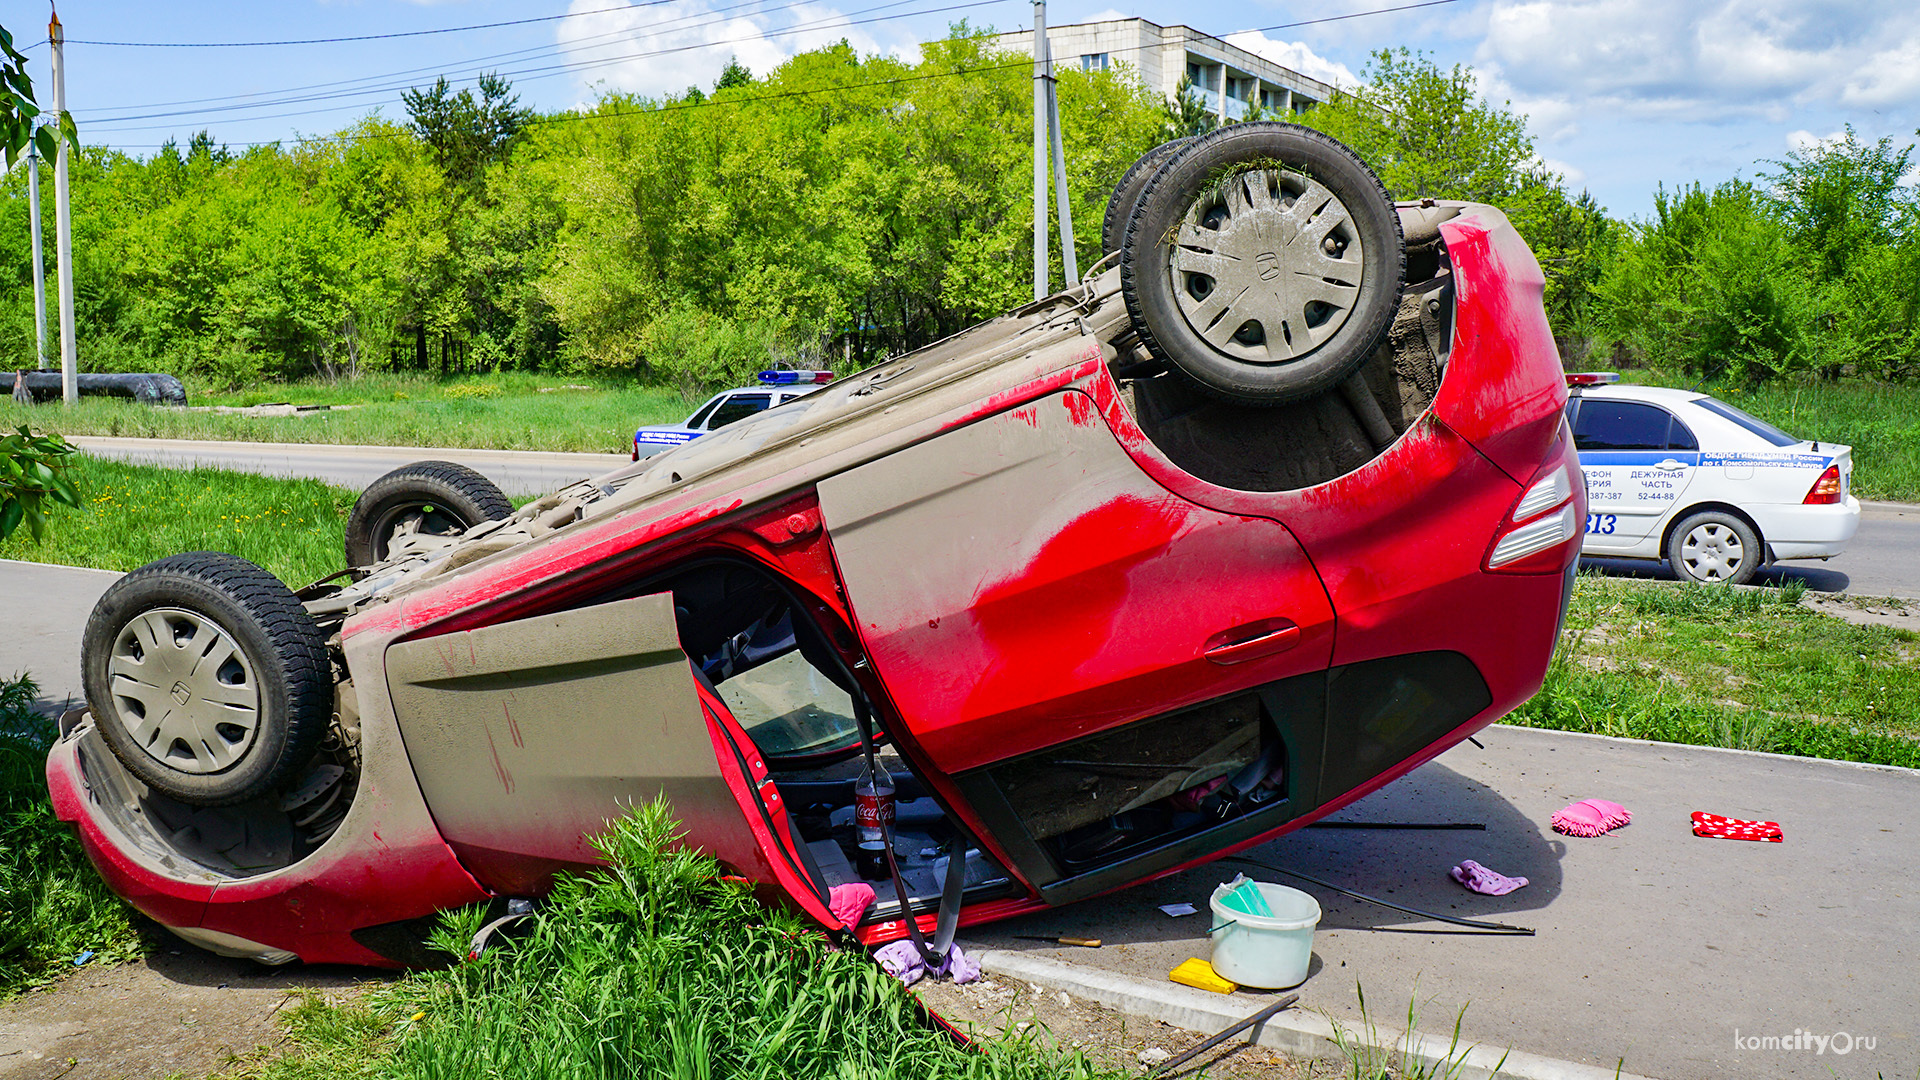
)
(1252, 641)
(1671, 465)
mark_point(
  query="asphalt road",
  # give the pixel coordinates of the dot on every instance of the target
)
(518, 472)
(1654, 948)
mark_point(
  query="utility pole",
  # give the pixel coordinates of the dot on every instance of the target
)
(63, 222)
(1067, 260)
(39, 262)
(1041, 77)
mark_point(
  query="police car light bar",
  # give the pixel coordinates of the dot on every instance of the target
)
(789, 378)
(1592, 378)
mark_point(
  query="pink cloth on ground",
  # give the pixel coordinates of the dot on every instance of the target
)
(1590, 817)
(1484, 881)
(850, 901)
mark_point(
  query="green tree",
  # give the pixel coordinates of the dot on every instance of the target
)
(467, 133)
(1187, 113)
(1843, 198)
(733, 76)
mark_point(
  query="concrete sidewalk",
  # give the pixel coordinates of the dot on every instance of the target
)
(43, 611)
(518, 472)
(1655, 948)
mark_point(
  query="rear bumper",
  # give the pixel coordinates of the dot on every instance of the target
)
(1810, 532)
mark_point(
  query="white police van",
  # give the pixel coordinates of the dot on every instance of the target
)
(1716, 492)
(776, 388)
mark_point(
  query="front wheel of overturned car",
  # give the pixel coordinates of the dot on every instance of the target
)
(1264, 261)
(207, 678)
(1714, 548)
(433, 498)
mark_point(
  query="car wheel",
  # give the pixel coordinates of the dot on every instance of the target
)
(207, 678)
(1127, 193)
(1714, 547)
(1264, 261)
(435, 498)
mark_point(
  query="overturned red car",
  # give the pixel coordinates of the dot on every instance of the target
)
(1272, 511)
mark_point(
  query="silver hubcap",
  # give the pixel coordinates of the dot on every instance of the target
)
(1267, 267)
(184, 691)
(1712, 552)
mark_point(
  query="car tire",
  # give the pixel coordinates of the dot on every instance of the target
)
(1219, 284)
(233, 665)
(1714, 547)
(1127, 193)
(435, 497)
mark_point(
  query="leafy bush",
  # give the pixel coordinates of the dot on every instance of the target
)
(697, 352)
(33, 475)
(52, 903)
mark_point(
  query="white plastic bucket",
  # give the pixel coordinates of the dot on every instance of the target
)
(1270, 954)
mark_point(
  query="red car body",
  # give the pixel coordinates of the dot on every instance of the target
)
(1008, 562)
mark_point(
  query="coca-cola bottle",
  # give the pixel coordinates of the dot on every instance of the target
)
(872, 804)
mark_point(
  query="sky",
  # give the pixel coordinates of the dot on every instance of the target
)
(1621, 96)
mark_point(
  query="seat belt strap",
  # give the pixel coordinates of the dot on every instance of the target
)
(947, 920)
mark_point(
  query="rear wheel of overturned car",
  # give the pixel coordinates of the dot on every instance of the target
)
(1126, 193)
(1714, 547)
(433, 498)
(1264, 261)
(207, 678)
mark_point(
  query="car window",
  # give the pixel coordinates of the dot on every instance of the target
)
(1620, 425)
(738, 407)
(788, 707)
(1680, 437)
(695, 420)
(1749, 421)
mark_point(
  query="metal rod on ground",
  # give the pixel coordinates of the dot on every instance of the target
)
(1068, 260)
(1039, 150)
(63, 222)
(1472, 825)
(1476, 924)
(41, 359)
(1185, 1056)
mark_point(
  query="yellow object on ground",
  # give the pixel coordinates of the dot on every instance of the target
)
(1197, 973)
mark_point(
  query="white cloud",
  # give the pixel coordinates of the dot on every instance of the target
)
(1571, 175)
(1295, 55)
(664, 48)
(1807, 140)
(1713, 60)
(1108, 15)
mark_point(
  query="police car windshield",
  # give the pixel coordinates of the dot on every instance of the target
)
(1746, 420)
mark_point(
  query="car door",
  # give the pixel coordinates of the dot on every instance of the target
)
(1638, 458)
(738, 407)
(528, 736)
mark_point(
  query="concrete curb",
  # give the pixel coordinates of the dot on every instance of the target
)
(1869, 765)
(61, 566)
(1296, 1032)
(1890, 507)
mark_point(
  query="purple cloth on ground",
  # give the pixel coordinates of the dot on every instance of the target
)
(902, 961)
(1484, 881)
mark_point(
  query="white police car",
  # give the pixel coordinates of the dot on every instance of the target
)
(727, 406)
(1717, 493)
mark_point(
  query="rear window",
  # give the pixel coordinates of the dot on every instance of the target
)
(1624, 425)
(1749, 421)
(738, 407)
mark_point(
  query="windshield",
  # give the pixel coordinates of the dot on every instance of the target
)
(1747, 420)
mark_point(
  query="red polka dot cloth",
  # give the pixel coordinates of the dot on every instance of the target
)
(1726, 828)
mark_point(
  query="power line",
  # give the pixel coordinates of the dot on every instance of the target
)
(748, 99)
(359, 37)
(535, 73)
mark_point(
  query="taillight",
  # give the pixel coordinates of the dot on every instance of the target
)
(1827, 489)
(1546, 518)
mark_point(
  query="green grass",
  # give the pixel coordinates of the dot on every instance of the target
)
(133, 514)
(505, 412)
(1881, 421)
(52, 904)
(1749, 669)
(652, 968)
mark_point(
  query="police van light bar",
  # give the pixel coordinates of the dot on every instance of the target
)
(1592, 378)
(789, 378)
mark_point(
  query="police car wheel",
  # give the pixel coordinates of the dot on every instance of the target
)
(1264, 261)
(436, 498)
(1715, 548)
